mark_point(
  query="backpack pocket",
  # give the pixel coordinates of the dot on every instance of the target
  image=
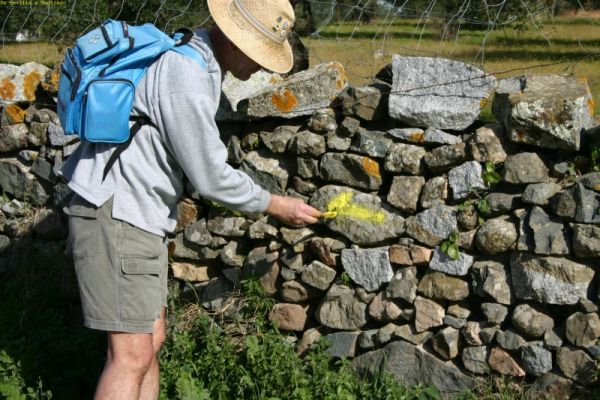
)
(70, 78)
(104, 42)
(107, 106)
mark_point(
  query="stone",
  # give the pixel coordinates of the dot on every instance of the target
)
(540, 193)
(551, 387)
(43, 170)
(16, 180)
(403, 284)
(494, 313)
(38, 133)
(410, 135)
(308, 144)
(549, 112)
(293, 236)
(496, 236)
(405, 158)
(443, 263)
(444, 158)
(11, 114)
(57, 136)
(351, 169)
(542, 234)
(322, 248)
(474, 359)
(404, 192)
(412, 365)
(262, 264)
(367, 339)
(552, 340)
(382, 309)
(587, 305)
(342, 309)
(488, 333)
(439, 286)
(267, 172)
(343, 344)
(369, 268)
(215, 293)
(428, 314)
(467, 216)
(524, 168)
(500, 361)
(437, 136)
(50, 224)
(297, 95)
(454, 322)
(500, 203)
(372, 143)
(583, 330)
(437, 92)
(309, 337)
(486, 145)
(322, 121)
(278, 139)
(190, 272)
(13, 137)
(307, 167)
(187, 213)
(420, 255)
(536, 360)
(198, 233)
(336, 141)
(400, 255)
(434, 192)
(531, 322)
(433, 225)
(386, 333)
(297, 292)
(304, 187)
(288, 317)
(446, 343)
(586, 240)
(460, 310)
(361, 217)
(233, 254)
(576, 365)
(510, 340)
(19, 83)
(318, 275)
(471, 333)
(262, 228)
(369, 103)
(407, 332)
(550, 280)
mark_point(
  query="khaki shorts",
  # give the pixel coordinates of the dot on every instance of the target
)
(121, 269)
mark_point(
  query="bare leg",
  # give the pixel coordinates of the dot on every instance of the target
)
(151, 382)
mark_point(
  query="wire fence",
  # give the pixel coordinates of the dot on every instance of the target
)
(503, 37)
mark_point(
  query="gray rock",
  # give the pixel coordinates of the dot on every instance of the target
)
(412, 365)
(454, 322)
(437, 136)
(494, 313)
(308, 144)
(441, 262)
(299, 94)
(214, 294)
(552, 340)
(486, 145)
(38, 133)
(16, 180)
(226, 226)
(352, 170)
(524, 168)
(293, 236)
(465, 178)
(361, 217)
(471, 332)
(235, 90)
(501, 203)
(386, 333)
(405, 158)
(551, 386)
(587, 305)
(367, 102)
(404, 192)
(468, 216)
(536, 360)
(267, 172)
(44, 170)
(368, 267)
(444, 158)
(262, 228)
(297, 292)
(335, 141)
(233, 254)
(576, 365)
(540, 193)
(583, 330)
(510, 340)
(70, 149)
(342, 309)
(403, 284)
(550, 280)
(496, 236)
(436, 92)
(550, 112)
(541, 234)
(13, 137)
(366, 339)
(433, 225)
(435, 191)
(343, 344)
(323, 121)
(408, 333)
(531, 322)
(277, 140)
(21, 81)
(439, 286)
(382, 309)
(262, 264)
(474, 359)
(586, 240)
(428, 314)
(460, 310)
(411, 135)
(318, 275)
(57, 136)
(488, 333)
(446, 342)
(307, 167)
(349, 127)
(371, 143)
(198, 233)
(429, 136)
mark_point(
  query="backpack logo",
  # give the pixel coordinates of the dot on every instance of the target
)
(94, 39)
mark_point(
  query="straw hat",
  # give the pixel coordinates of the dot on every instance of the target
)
(260, 28)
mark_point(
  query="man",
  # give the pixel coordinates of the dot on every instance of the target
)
(118, 225)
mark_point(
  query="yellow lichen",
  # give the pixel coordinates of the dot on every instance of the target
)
(285, 100)
(591, 106)
(371, 167)
(30, 84)
(417, 137)
(342, 206)
(7, 89)
(16, 113)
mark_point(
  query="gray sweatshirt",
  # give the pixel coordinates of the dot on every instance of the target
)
(181, 101)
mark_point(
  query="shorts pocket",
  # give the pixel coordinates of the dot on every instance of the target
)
(84, 228)
(134, 242)
(140, 289)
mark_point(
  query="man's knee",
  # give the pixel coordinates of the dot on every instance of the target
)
(159, 335)
(132, 351)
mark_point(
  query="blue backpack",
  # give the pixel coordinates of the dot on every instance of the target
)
(99, 76)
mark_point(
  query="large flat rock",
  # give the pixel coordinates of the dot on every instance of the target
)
(19, 83)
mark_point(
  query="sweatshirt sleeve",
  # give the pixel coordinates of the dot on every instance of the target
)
(192, 137)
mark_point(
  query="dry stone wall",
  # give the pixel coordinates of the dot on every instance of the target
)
(449, 248)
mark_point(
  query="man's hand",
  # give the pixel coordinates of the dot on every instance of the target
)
(292, 211)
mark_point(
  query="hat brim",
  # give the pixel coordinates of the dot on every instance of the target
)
(274, 56)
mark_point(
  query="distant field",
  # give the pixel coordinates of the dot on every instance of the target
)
(565, 45)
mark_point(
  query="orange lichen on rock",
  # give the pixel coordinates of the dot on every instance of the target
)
(371, 167)
(285, 100)
(16, 113)
(591, 106)
(483, 103)
(50, 82)
(520, 136)
(7, 89)
(30, 84)
(417, 137)
(342, 81)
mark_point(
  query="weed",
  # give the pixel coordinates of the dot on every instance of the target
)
(489, 174)
(450, 246)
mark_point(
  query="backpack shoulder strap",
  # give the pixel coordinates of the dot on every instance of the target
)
(183, 37)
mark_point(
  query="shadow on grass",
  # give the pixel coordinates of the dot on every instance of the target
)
(41, 324)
